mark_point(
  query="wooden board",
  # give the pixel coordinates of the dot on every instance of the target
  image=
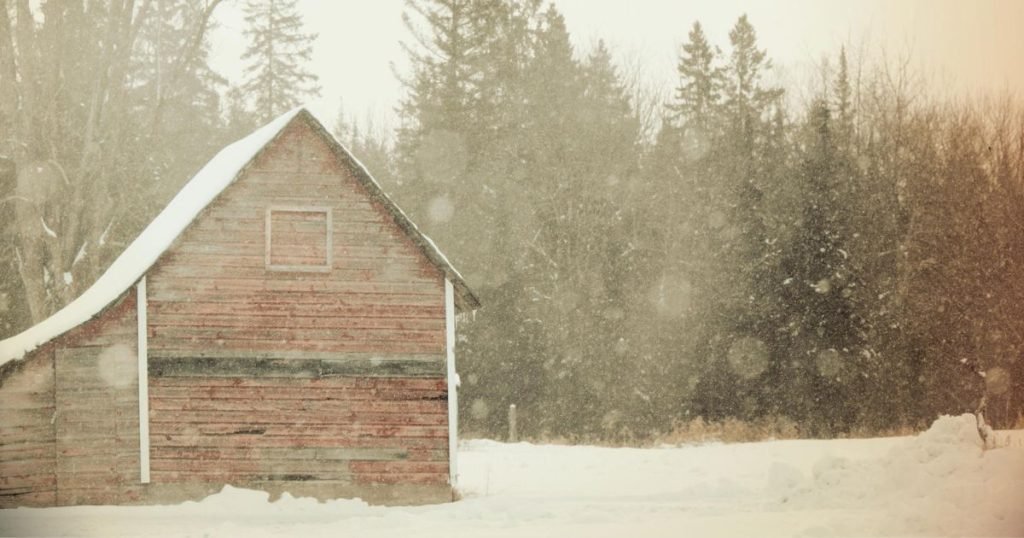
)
(401, 366)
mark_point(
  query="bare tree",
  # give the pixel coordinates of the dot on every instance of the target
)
(75, 137)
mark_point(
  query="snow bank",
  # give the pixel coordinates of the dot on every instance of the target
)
(143, 252)
(939, 483)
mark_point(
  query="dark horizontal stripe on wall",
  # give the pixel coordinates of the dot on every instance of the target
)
(352, 366)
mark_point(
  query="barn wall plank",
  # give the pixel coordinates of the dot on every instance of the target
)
(403, 366)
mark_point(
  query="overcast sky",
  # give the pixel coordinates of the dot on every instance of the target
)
(961, 45)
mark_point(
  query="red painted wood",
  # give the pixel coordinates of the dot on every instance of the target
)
(299, 441)
(235, 429)
(288, 393)
(209, 290)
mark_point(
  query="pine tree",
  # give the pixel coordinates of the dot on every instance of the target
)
(550, 92)
(746, 99)
(542, 143)
(581, 130)
(700, 84)
(736, 239)
(275, 76)
(687, 192)
(445, 56)
(618, 228)
(453, 177)
(743, 170)
(747, 106)
(843, 95)
(444, 146)
(180, 92)
(820, 324)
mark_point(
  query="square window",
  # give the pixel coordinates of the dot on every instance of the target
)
(298, 239)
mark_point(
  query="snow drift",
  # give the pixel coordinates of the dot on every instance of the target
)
(939, 483)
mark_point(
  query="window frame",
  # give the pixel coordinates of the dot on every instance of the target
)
(329, 239)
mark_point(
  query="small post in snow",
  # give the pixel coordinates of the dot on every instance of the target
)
(512, 437)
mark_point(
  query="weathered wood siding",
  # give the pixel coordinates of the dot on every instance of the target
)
(97, 421)
(212, 294)
(339, 431)
(69, 433)
(27, 450)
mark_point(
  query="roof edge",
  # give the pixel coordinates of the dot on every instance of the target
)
(466, 300)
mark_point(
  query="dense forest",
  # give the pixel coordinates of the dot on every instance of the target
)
(850, 260)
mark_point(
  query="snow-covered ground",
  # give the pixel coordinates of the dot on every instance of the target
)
(939, 483)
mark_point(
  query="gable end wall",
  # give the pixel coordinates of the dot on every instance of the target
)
(212, 295)
(325, 383)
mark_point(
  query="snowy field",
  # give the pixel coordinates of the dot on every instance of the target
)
(939, 483)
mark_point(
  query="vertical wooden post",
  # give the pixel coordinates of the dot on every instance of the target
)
(453, 384)
(512, 436)
(143, 366)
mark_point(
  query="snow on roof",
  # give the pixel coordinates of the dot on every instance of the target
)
(142, 253)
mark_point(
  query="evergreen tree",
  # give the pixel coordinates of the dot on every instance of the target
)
(700, 84)
(275, 77)
(455, 178)
(821, 329)
(688, 193)
(528, 145)
(441, 93)
(842, 95)
(174, 85)
(578, 109)
(747, 103)
(737, 238)
(369, 145)
(746, 98)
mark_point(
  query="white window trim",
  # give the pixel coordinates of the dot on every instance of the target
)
(329, 239)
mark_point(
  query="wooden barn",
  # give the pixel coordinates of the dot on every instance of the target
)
(280, 325)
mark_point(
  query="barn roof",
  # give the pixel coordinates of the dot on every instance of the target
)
(203, 188)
